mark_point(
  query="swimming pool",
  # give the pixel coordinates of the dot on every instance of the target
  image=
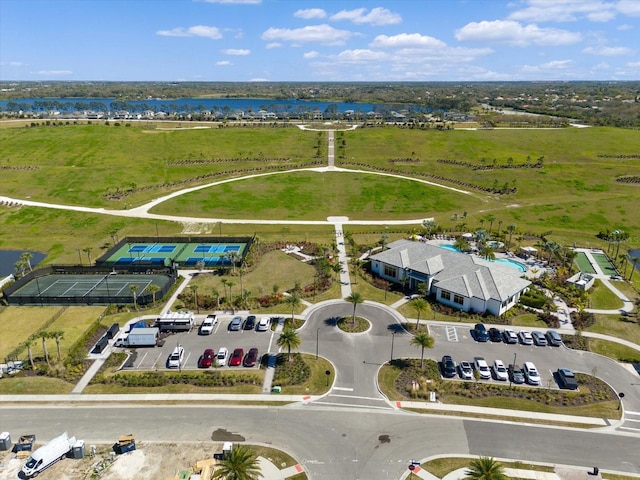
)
(512, 263)
(448, 247)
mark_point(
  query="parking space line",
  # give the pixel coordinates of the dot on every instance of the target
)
(141, 361)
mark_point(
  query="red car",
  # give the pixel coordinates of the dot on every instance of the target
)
(250, 358)
(207, 358)
(236, 357)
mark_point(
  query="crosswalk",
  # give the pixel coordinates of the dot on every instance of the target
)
(631, 422)
(452, 334)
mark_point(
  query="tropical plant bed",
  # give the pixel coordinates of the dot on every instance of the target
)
(346, 324)
(414, 382)
(291, 371)
(162, 379)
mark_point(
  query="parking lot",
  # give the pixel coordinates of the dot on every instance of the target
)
(459, 342)
(194, 344)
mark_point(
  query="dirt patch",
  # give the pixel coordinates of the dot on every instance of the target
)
(149, 460)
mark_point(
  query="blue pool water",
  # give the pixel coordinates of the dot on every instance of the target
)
(449, 247)
(512, 263)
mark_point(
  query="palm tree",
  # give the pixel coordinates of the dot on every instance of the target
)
(153, 288)
(337, 268)
(26, 259)
(230, 284)
(88, 252)
(194, 289)
(216, 295)
(224, 282)
(429, 225)
(44, 336)
(635, 261)
(355, 298)
(233, 257)
(419, 305)
(57, 336)
(422, 340)
(134, 292)
(28, 344)
(241, 464)
(491, 219)
(289, 339)
(481, 236)
(487, 252)
(485, 468)
(511, 228)
(462, 244)
(293, 300)
(383, 240)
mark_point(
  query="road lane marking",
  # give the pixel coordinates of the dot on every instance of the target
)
(345, 389)
(356, 396)
(350, 405)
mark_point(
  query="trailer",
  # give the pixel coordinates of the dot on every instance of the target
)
(48, 454)
(175, 322)
(139, 337)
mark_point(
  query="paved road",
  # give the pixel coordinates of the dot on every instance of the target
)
(331, 442)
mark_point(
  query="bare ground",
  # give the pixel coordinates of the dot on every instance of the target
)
(149, 460)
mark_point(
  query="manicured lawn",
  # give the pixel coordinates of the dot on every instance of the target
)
(617, 326)
(34, 386)
(614, 350)
(603, 298)
(19, 323)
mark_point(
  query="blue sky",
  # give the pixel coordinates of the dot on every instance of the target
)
(330, 40)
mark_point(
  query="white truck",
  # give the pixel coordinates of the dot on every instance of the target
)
(47, 455)
(139, 337)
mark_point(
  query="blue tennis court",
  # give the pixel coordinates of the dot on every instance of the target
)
(152, 248)
(216, 248)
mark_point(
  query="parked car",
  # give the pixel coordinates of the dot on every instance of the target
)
(482, 367)
(495, 335)
(221, 357)
(531, 373)
(510, 336)
(448, 367)
(250, 322)
(236, 324)
(539, 339)
(206, 360)
(465, 370)
(250, 358)
(207, 325)
(567, 379)
(176, 357)
(236, 357)
(525, 337)
(553, 338)
(500, 371)
(263, 324)
(516, 375)
(480, 333)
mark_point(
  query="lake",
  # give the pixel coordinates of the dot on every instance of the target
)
(8, 258)
(192, 105)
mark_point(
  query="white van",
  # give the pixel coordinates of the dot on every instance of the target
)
(47, 455)
(531, 373)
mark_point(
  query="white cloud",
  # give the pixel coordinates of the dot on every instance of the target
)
(13, 64)
(54, 73)
(633, 64)
(311, 54)
(406, 40)
(564, 11)
(247, 2)
(274, 45)
(608, 51)
(629, 7)
(236, 51)
(377, 16)
(324, 34)
(223, 63)
(310, 13)
(361, 55)
(555, 67)
(514, 33)
(197, 31)
(624, 27)
(258, 79)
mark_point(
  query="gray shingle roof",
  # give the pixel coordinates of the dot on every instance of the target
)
(456, 272)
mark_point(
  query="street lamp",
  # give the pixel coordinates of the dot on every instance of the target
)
(317, 341)
(179, 362)
(393, 337)
(515, 355)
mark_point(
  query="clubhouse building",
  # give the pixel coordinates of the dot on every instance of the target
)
(461, 281)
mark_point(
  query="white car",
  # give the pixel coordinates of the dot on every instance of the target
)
(176, 357)
(207, 325)
(263, 325)
(465, 371)
(525, 337)
(482, 367)
(531, 373)
(500, 371)
(222, 356)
